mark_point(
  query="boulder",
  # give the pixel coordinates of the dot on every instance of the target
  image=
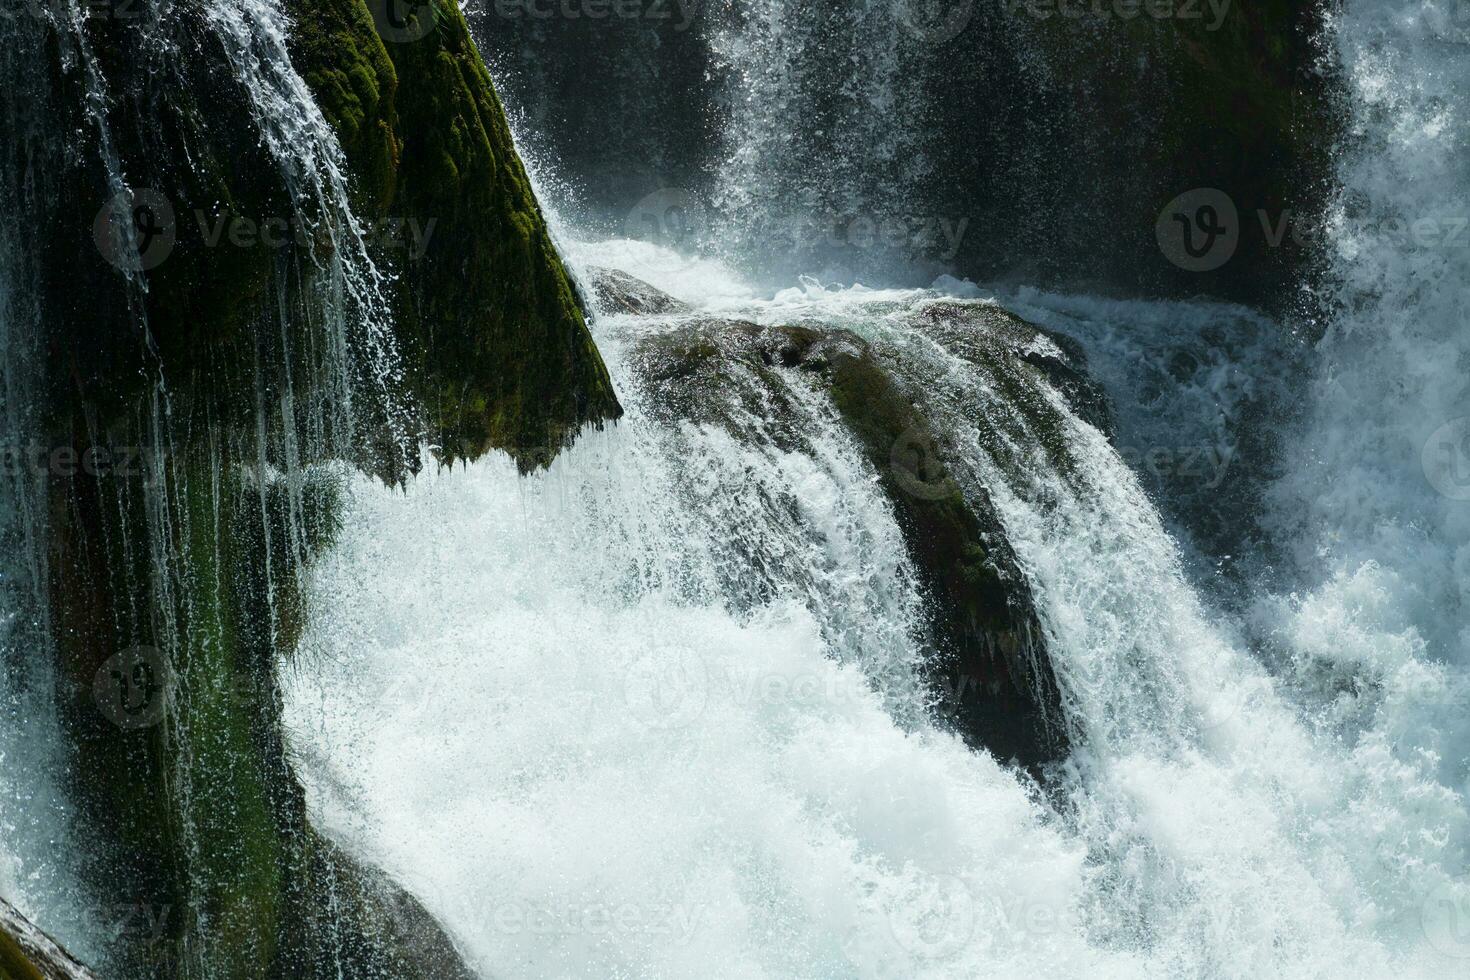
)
(989, 670)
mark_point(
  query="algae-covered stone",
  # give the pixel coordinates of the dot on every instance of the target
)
(495, 332)
(217, 377)
(27, 953)
(989, 669)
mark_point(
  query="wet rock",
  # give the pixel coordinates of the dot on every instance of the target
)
(619, 293)
(989, 670)
(27, 953)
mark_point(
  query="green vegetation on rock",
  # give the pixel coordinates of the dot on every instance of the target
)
(495, 332)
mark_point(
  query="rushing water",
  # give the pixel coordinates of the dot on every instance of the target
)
(590, 762)
(655, 712)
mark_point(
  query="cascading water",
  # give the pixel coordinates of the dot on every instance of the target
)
(651, 789)
(793, 193)
(36, 872)
(156, 543)
(662, 709)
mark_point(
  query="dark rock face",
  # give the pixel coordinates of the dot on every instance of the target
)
(988, 670)
(26, 953)
(494, 330)
(618, 292)
(1056, 138)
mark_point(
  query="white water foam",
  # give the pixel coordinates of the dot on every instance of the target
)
(527, 699)
(551, 725)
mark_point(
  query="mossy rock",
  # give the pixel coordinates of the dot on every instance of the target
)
(495, 332)
(27, 953)
(197, 579)
(989, 669)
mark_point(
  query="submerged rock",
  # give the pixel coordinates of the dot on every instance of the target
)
(989, 669)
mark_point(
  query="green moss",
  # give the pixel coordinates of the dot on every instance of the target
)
(497, 338)
(200, 812)
(337, 50)
(14, 963)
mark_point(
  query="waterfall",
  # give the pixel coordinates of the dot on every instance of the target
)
(632, 804)
(666, 707)
(318, 376)
(1381, 488)
(658, 772)
(37, 870)
(824, 136)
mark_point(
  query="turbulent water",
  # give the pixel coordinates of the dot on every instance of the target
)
(536, 701)
(566, 714)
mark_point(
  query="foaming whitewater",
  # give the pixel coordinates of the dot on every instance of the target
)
(1377, 637)
(650, 775)
(1382, 481)
(555, 710)
(545, 707)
